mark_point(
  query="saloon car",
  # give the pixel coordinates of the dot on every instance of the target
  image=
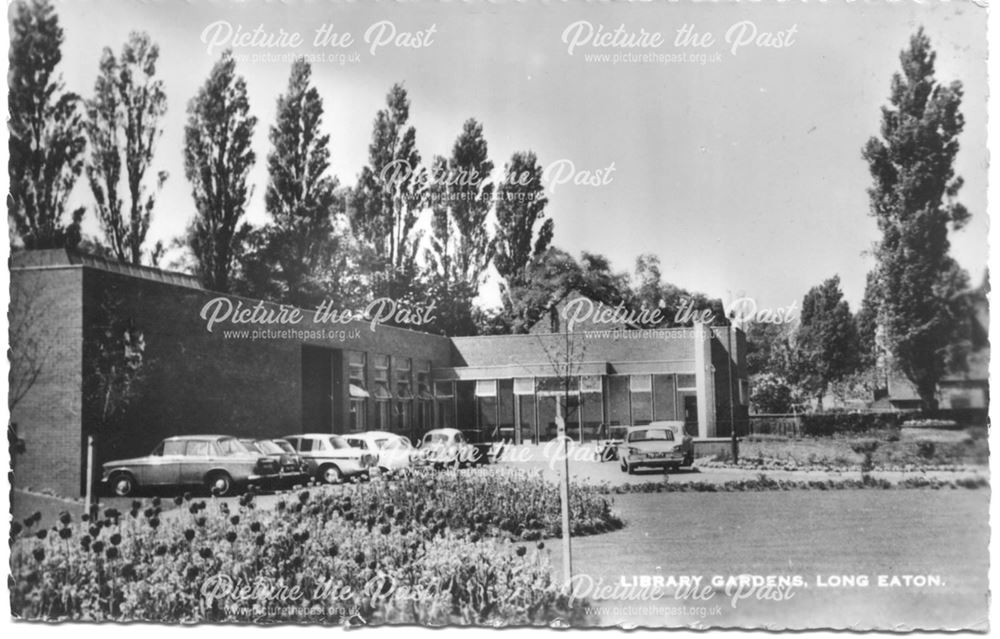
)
(446, 447)
(330, 459)
(656, 445)
(220, 463)
(394, 452)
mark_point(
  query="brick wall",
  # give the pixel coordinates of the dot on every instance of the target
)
(46, 328)
(201, 382)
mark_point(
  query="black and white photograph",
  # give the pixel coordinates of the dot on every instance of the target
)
(558, 315)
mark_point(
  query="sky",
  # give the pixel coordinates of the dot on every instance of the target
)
(741, 169)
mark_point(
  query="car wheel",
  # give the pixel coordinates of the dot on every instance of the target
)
(382, 470)
(123, 485)
(330, 474)
(219, 484)
(630, 469)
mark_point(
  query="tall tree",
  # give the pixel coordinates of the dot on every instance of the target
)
(520, 205)
(46, 146)
(460, 247)
(827, 341)
(217, 160)
(123, 126)
(299, 257)
(913, 198)
(389, 196)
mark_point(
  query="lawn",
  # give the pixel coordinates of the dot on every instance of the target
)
(811, 534)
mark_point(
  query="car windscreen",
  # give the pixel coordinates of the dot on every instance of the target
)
(437, 438)
(651, 434)
(230, 446)
(400, 443)
(339, 443)
(283, 445)
(269, 448)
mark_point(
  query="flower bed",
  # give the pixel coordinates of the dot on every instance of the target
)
(426, 548)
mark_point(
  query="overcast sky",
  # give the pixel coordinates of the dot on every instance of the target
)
(744, 174)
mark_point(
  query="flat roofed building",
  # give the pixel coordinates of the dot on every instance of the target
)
(269, 380)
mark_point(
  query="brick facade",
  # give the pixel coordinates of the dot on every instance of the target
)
(242, 380)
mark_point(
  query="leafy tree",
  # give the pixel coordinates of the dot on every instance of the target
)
(652, 293)
(827, 341)
(772, 394)
(913, 198)
(389, 195)
(123, 126)
(217, 160)
(300, 257)
(460, 248)
(46, 146)
(770, 349)
(520, 205)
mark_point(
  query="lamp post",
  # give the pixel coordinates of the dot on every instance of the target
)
(564, 498)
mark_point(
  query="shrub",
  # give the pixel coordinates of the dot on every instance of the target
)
(828, 424)
(425, 549)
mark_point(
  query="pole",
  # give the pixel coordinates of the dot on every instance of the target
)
(732, 410)
(564, 498)
(91, 493)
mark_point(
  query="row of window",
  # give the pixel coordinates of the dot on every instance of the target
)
(495, 406)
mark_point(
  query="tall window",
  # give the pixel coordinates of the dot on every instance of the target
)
(524, 392)
(358, 391)
(486, 406)
(444, 394)
(404, 393)
(641, 387)
(382, 394)
(425, 395)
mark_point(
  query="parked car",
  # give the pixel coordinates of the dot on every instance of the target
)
(487, 450)
(446, 447)
(330, 458)
(394, 452)
(220, 463)
(292, 468)
(656, 445)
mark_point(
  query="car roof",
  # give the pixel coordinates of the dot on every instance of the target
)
(198, 438)
(670, 424)
(311, 435)
(450, 431)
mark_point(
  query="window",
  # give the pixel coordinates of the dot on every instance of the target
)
(486, 388)
(174, 447)
(744, 392)
(557, 385)
(381, 392)
(356, 363)
(425, 396)
(231, 446)
(590, 384)
(524, 386)
(404, 393)
(198, 448)
(444, 393)
(306, 445)
(641, 383)
(653, 434)
(641, 387)
(686, 382)
(338, 443)
(357, 443)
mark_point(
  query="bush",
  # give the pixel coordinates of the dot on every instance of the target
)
(931, 423)
(828, 424)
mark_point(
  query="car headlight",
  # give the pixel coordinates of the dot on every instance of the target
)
(635, 452)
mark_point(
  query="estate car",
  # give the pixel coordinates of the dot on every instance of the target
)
(218, 462)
